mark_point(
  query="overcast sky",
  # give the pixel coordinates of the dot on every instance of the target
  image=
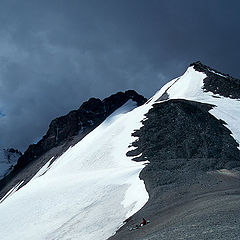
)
(55, 54)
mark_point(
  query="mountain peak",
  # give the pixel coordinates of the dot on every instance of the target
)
(217, 82)
(200, 67)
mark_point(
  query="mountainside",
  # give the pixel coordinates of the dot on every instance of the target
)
(89, 182)
(64, 132)
(81, 183)
(191, 139)
(88, 116)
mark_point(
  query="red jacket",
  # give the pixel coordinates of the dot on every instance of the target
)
(144, 222)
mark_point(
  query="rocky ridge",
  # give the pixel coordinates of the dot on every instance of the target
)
(89, 115)
(217, 82)
(64, 132)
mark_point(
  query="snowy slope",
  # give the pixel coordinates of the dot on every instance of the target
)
(87, 192)
(190, 87)
(7, 160)
(93, 187)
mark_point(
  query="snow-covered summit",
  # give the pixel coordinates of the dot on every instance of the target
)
(203, 84)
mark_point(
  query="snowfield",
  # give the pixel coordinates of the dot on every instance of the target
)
(86, 193)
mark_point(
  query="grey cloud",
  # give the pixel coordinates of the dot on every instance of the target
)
(56, 54)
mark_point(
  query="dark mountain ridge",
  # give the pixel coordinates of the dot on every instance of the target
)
(64, 132)
(89, 115)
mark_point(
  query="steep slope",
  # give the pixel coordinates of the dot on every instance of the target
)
(91, 179)
(64, 132)
(191, 139)
(88, 116)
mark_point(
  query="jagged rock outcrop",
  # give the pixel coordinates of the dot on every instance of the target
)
(181, 138)
(181, 129)
(14, 151)
(217, 82)
(89, 115)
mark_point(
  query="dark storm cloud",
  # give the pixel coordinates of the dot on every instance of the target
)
(56, 54)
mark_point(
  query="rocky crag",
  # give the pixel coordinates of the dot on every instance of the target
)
(64, 132)
(219, 83)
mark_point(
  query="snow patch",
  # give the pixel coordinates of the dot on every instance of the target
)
(219, 74)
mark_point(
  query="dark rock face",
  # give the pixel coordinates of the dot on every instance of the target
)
(91, 113)
(181, 129)
(181, 137)
(81, 121)
(217, 82)
(12, 150)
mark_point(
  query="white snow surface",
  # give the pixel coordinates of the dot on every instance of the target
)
(86, 193)
(189, 86)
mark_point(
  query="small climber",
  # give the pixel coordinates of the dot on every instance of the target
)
(144, 222)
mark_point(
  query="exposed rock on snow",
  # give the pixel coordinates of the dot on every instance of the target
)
(219, 83)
